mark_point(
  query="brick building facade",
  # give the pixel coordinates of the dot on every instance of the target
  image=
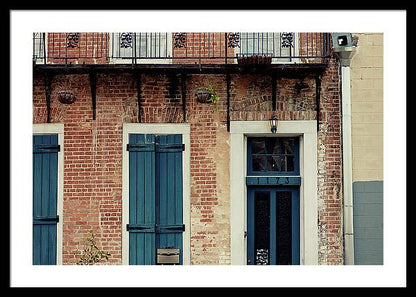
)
(113, 98)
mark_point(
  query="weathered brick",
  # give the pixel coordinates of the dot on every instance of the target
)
(93, 152)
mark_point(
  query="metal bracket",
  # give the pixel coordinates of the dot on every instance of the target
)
(142, 228)
(172, 228)
(46, 148)
(93, 85)
(48, 90)
(156, 147)
(139, 96)
(45, 220)
(55, 218)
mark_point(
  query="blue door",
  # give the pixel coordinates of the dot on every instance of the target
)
(273, 226)
(273, 182)
(45, 191)
(155, 196)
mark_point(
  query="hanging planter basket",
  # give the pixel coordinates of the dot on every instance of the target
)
(203, 96)
(66, 97)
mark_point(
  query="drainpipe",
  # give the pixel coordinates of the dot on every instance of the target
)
(345, 54)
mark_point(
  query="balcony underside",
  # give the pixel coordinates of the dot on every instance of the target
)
(286, 70)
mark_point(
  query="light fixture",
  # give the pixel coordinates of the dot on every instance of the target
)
(273, 123)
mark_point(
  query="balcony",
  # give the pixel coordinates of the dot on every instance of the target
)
(286, 54)
(186, 50)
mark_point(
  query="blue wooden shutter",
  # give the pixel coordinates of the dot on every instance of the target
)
(142, 199)
(155, 196)
(45, 188)
(169, 196)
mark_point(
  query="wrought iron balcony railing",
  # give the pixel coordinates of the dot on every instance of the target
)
(180, 48)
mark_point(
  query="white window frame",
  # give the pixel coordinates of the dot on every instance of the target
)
(169, 52)
(39, 45)
(306, 131)
(56, 129)
(138, 128)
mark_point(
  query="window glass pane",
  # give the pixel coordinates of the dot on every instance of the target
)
(273, 154)
(273, 163)
(258, 146)
(273, 145)
(288, 145)
(142, 43)
(258, 43)
(258, 163)
(283, 163)
(290, 163)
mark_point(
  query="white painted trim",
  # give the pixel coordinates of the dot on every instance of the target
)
(185, 130)
(306, 130)
(56, 129)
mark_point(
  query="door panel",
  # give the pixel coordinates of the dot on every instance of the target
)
(273, 226)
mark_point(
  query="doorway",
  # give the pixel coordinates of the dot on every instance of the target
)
(273, 226)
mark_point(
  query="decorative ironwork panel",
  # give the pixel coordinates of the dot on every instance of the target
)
(262, 227)
(179, 40)
(72, 40)
(126, 39)
(284, 228)
(286, 39)
(233, 40)
(262, 257)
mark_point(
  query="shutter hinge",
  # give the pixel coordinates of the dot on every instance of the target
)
(40, 148)
(149, 147)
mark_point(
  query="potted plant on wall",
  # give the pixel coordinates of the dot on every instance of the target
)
(207, 95)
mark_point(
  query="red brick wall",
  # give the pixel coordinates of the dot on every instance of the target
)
(203, 48)
(93, 152)
(330, 170)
